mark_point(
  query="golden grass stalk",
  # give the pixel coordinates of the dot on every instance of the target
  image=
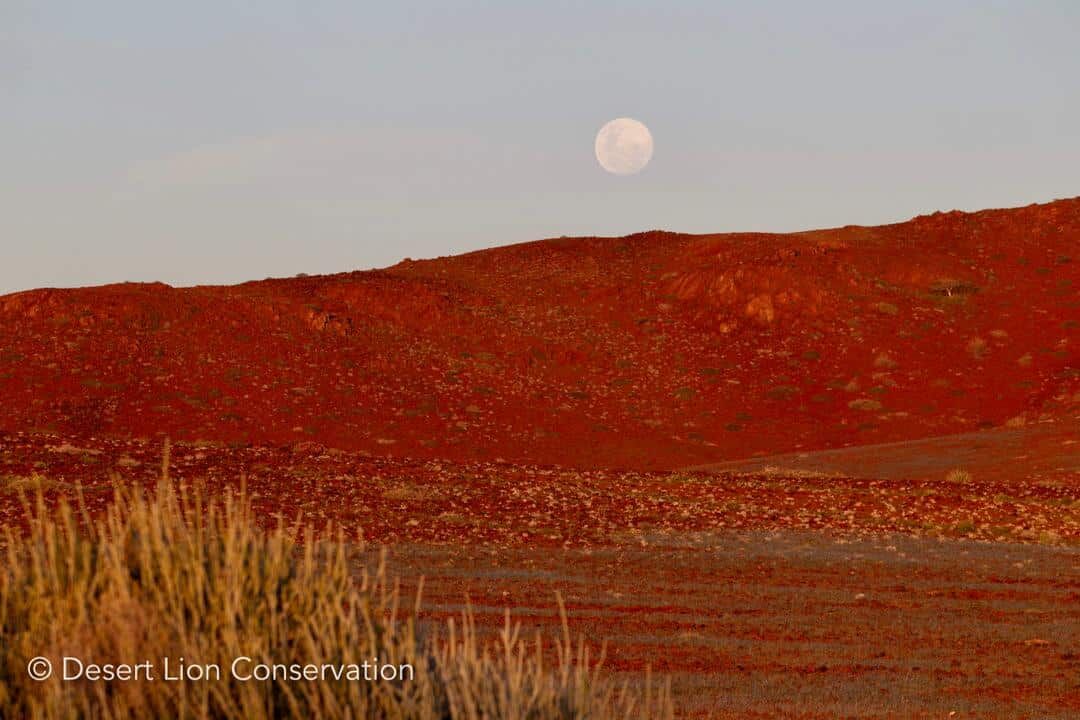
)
(181, 575)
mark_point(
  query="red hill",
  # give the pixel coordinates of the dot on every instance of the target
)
(655, 350)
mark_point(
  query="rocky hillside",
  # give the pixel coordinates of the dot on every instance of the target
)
(655, 350)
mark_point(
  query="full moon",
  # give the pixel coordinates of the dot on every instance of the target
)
(624, 146)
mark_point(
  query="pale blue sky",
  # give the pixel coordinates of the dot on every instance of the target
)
(217, 141)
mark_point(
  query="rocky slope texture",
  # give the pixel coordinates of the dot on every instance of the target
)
(655, 350)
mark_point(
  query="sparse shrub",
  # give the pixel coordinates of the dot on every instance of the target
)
(1049, 537)
(783, 392)
(685, 393)
(953, 288)
(885, 362)
(185, 576)
(887, 308)
(958, 475)
(977, 348)
(865, 404)
(964, 528)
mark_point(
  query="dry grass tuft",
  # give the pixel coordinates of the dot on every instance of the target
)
(886, 308)
(20, 485)
(978, 348)
(773, 471)
(958, 475)
(885, 362)
(179, 574)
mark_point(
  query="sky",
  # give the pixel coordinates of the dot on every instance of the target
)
(216, 141)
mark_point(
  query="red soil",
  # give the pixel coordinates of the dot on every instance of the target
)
(760, 596)
(507, 505)
(651, 351)
(508, 423)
